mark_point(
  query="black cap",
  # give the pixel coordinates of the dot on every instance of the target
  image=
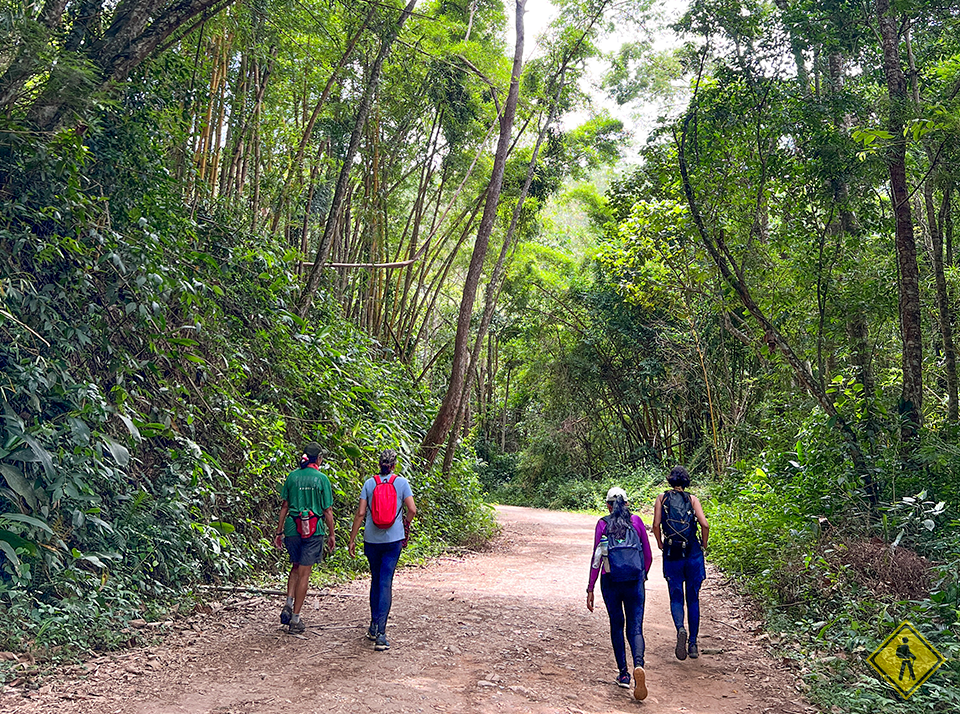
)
(313, 449)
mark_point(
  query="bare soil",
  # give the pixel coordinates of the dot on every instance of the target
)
(505, 630)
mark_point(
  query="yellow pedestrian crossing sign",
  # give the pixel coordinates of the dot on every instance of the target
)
(905, 659)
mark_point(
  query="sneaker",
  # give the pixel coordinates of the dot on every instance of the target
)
(286, 614)
(639, 684)
(623, 680)
(693, 650)
(382, 645)
(372, 633)
(681, 650)
(297, 627)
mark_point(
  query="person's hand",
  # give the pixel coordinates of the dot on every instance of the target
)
(352, 548)
(278, 541)
(590, 600)
(331, 543)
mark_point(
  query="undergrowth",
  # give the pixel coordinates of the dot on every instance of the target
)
(837, 576)
(157, 386)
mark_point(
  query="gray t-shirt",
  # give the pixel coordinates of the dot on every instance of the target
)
(372, 534)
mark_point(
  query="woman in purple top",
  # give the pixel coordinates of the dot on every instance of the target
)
(623, 600)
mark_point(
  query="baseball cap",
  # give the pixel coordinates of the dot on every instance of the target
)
(312, 449)
(614, 492)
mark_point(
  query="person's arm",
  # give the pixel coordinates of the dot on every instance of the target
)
(328, 519)
(411, 513)
(358, 518)
(656, 521)
(595, 572)
(278, 536)
(701, 519)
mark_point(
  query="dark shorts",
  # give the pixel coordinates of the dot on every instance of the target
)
(305, 551)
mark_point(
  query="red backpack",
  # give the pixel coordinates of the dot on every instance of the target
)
(383, 503)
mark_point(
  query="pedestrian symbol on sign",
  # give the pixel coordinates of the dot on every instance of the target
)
(905, 660)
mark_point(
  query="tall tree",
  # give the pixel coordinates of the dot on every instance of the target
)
(447, 414)
(911, 401)
(343, 180)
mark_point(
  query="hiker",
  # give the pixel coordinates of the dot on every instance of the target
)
(622, 559)
(675, 517)
(307, 500)
(382, 501)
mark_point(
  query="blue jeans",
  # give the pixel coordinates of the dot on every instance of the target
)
(624, 603)
(689, 572)
(383, 559)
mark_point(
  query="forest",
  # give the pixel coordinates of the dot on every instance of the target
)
(536, 263)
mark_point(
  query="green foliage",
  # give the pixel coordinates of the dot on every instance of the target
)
(157, 385)
(570, 493)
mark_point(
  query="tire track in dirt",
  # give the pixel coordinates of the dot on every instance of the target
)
(505, 630)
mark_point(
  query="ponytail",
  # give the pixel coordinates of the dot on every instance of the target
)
(619, 519)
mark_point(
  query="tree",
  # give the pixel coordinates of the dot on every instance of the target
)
(446, 415)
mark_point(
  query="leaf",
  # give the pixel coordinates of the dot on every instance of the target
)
(119, 452)
(16, 541)
(11, 554)
(18, 483)
(352, 451)
(80, 429)
(896, 541)
(131, 427)
(29, 520)
(929, 524)
(93, 559)
(43, 456)
(223, 527)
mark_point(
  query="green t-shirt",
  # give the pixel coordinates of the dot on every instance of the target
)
(306, 489)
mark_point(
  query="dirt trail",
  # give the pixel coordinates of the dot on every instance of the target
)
(506, 630)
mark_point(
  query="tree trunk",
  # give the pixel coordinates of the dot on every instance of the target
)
(137, 30)
(313, 280)
(447, 414)
(715, 246)
(28, 60)
(911, 399)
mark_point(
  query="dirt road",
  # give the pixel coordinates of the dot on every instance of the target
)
(505, 630)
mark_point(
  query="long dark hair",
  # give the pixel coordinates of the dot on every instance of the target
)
(619, 519)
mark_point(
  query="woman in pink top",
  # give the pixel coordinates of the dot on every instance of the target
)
(623, 598)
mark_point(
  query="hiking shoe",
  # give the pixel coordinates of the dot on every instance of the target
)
(639, 684)
(681, 644)
(623, 680)
(381, 645)
(693, 650)
(372, 633)
(286, 614)
(297, 627)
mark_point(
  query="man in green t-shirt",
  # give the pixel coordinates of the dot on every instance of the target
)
(306, 516)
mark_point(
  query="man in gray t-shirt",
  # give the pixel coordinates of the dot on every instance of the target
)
(382, 546)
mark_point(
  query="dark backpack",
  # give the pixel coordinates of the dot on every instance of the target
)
(383, 503)
(625, 556)
(678, 524)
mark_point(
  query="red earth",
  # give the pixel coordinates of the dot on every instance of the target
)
(503, 630)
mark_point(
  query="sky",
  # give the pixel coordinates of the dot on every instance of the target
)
(639, 118)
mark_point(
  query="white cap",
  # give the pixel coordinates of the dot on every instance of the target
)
(614, 492)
